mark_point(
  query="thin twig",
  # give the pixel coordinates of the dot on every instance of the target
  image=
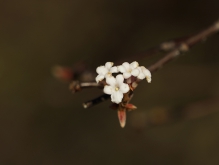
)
(185, 46)
(95, 101)
(165, 46)
(76, 86)
(174, 48)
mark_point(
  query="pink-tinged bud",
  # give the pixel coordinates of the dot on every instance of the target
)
(122, 117)
(130, 107)
(64, 74)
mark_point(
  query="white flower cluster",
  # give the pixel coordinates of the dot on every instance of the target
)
(115, 85)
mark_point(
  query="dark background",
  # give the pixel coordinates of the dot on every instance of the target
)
(42, 123)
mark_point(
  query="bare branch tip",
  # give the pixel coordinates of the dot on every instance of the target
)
(85, 106)
(184, 47)
(167, 45)
(217, 25)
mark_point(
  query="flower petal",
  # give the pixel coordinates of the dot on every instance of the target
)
(126, 75)
(134, 65)
(126, 65)
(141, 76)
(139, 69)
(114, 70)
(148, 79)
(135, 72)
(116, 97)
(99, 78)
(119, 79)
(108, 75)
(108, 65)
(111, 81)
(146, 72)
(121, 68)
(108, 89)
(124, 88)
(101, 70)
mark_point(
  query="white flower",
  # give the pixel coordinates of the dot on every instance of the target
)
(129, 70)
(116, 88)
(105, 71)
(144, 73)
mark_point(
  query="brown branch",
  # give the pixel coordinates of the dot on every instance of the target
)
(185, 46)
(162, 47)
(76, 86)
(105, 97)
(174, 48)
(95, 101)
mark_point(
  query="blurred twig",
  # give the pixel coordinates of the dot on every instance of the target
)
(96, 101)
(76, 86)
(173, 48)
(165, 46)
(185, 45)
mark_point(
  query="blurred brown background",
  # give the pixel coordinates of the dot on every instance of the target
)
(42, 123)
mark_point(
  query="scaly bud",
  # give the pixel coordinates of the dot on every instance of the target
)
(122, 117)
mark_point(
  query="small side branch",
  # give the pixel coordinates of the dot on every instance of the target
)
(95, 101)
(172, 48)
(76, 86)
(165, 46)
(185, 46)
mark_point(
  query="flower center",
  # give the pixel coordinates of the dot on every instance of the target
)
(116, 88)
